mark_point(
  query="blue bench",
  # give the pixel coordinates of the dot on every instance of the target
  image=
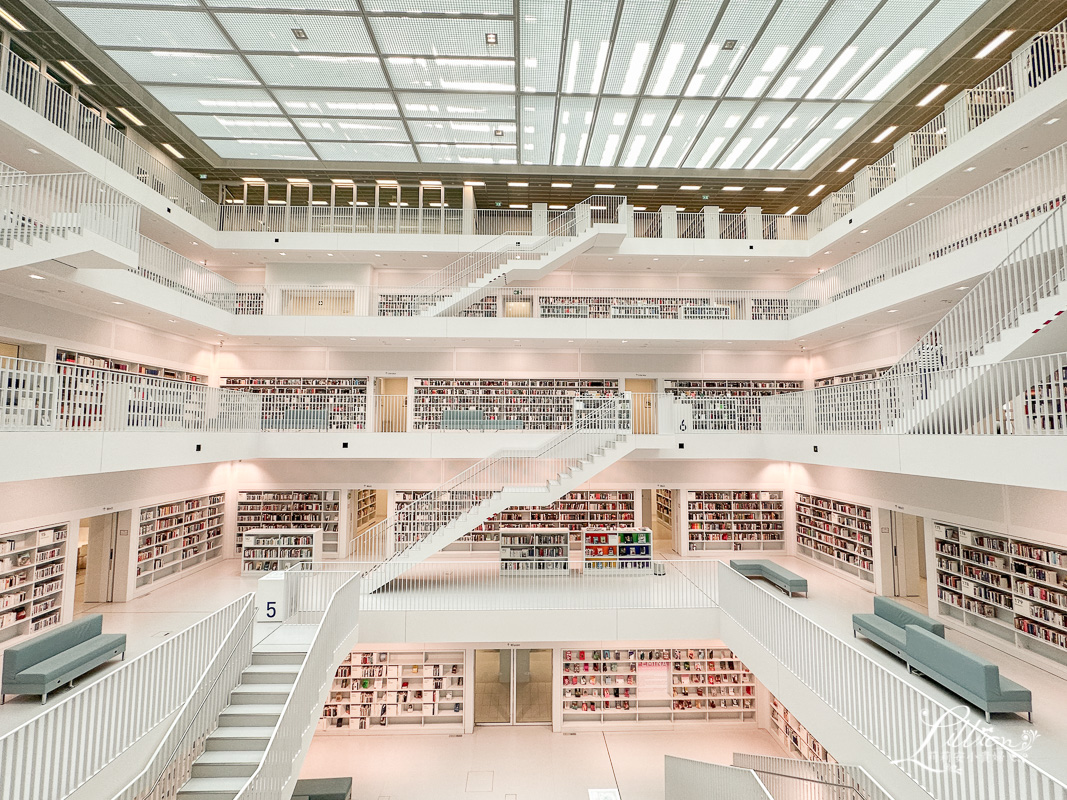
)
(323, 789)
(885, 627)
(788, 582)
(971, 677)
(46, 662)
(473, 419)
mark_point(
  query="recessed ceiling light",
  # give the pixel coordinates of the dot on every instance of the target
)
(792, 211)
(994, 43)
(38, 152)
(253, 180)
(172, 150)
(386, 182)
(624, 341)
(77, 73)
(961, 288)
(603, 185)
(498, 132)
(911, 204)
(561, 186)
(117, 303)
(490, 38)
(519, 184)
(10, 20)
(300, 34)
(330, 255)
(377, 255)
(932, 95)
(36, 277)
(729, 44)
(130, 116)
(733, 188)
(969, 169)
(172, 320)
(276, 202)
(429, 183)
(558, 208)
(891, 311)
(1052, 121)
(884, 135)
(518, 205)
(298, 180)
(474, 183)
(655, 259)
(689, 188)
(775, 189)
(648, 186)
(342, 181)
(847, 164)
(352, 338)
(281, 254)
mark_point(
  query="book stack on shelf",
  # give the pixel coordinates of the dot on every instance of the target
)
(396, 304)
(1011, 587)
(32, 570)
(529, 551)
(836, 532)
(850, 377)
(279, 548)
(529, 404)
(607, 306)
(665, 507)
(575, 511)
(178, 536)
(617, 549)
(366, 507)
(330, 403)
(646, 683)
(404, 691)
(289, 508)
(794, 737)
(1045, 404)
(739, 519)
(74, 358)
(727, 404)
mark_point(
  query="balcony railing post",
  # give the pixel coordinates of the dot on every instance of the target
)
(540, 219)
(903, 154)
(626, 217)
(754, 222)
(669, 221)
(957, 118)
(1019, 68)
(862, 184)
(711, 222)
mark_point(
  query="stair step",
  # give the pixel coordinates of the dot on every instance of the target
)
(255, 693)
(268, 657)
(211, 788)
(250, 715)
(239, 738)
(270, 673)
(227, 763)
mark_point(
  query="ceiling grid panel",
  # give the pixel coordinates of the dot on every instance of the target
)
(564, 33)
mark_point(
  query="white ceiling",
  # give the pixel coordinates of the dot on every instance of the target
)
(599, 83)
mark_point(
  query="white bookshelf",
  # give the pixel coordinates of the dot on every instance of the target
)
(397, 692)
(626, 550)
(413, 305)
(32, 575)
(526, 403)
(654, 683)
(344, 400)
(727, 404)
(665, 507)
(850, 377)
(530, 551)
(366, 506)
(79, 359)
(269, 550)
(289, 508)
(836, 532)
(178, 536)
(734, 519)
(1007, 586)
(793, 736)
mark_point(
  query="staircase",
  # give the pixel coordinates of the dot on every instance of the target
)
(534, 477)
(593, 222)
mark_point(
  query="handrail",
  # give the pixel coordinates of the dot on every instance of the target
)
(855, 780)
(169, 762)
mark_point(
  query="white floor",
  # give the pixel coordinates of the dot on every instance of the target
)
(522, 763)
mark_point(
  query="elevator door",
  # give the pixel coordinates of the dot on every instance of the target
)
(513, 686)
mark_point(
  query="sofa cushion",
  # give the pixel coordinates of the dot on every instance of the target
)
(783, 576)
(63, 663)
(1010, 690)
(747, 568)
(900, 615)
(20, 657)
(965, 669)
(880, 629)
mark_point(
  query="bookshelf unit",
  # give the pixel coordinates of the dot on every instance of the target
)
(850, 377)
(654, 683)
(412, 305)
(268, 550)
(727, 404)
(528, 551)
(1012, 588)
(737, 519)
(1044, 403)
(575, 511)
(344, 400)
(178, 536)
(366, 506)
(78, 359)
(397, 692)
(836, 532)
(32, 575)
(627, 550)
(793, 736)
(288, 508)
(530, 404)
(607, 306)
(665, 507)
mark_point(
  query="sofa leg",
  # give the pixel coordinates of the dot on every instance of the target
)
(987, 719)
(1029, 716)
(44, 698)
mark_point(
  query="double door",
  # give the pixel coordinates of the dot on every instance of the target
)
(513, 686)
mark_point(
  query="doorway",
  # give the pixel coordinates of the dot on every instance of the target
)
(908, 540)
(513, 686)
(657, 513)
(96, 580)
(643, 392)
(392, 405)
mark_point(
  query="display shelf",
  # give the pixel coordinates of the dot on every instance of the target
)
(654, 683)
(608, 306)
(529, 404)
(177, 536)
(617, 550)
(727, 404)
(575, 511)
(794, 737)
(836, 532)
(269, 550)
(1010, 587)
(288, 508)
(366, 506)
(530, 551)
(32, 579)
(341, 403)
(75, 358)
(398, 690)
(564, 310)
(734, 519)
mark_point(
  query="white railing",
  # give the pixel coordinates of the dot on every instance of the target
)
(594, 428)
(24, 81)
(796, 779)
(57, 751)
(989, 97)
(320, 411)
(27, 395)
(883, 708)
(171, 764)
(687, 779)
(275, 776)
(339, 219)
(498, 221)
(162, 265)
(41, 206)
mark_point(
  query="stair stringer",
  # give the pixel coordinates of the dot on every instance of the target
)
(73, 247)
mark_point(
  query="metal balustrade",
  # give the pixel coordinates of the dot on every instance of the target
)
(950, 756)
(688, 779)
(797, 779)
(59, 750)
(339, 219)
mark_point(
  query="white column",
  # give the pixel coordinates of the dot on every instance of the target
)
(862, 182)
(903, 155)
(582, 217)
(468, 209)
(669, 220)
(540, 219)
(711, 222)
(956, 116)
(626, 217)
(753, 222)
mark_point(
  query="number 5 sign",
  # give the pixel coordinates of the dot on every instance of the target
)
(271, 598)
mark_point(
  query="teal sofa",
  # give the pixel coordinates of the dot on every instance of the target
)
(473, 419)
(788, 582)
(323, 789)
(885, 627)
(972, 677)
(46, 662)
